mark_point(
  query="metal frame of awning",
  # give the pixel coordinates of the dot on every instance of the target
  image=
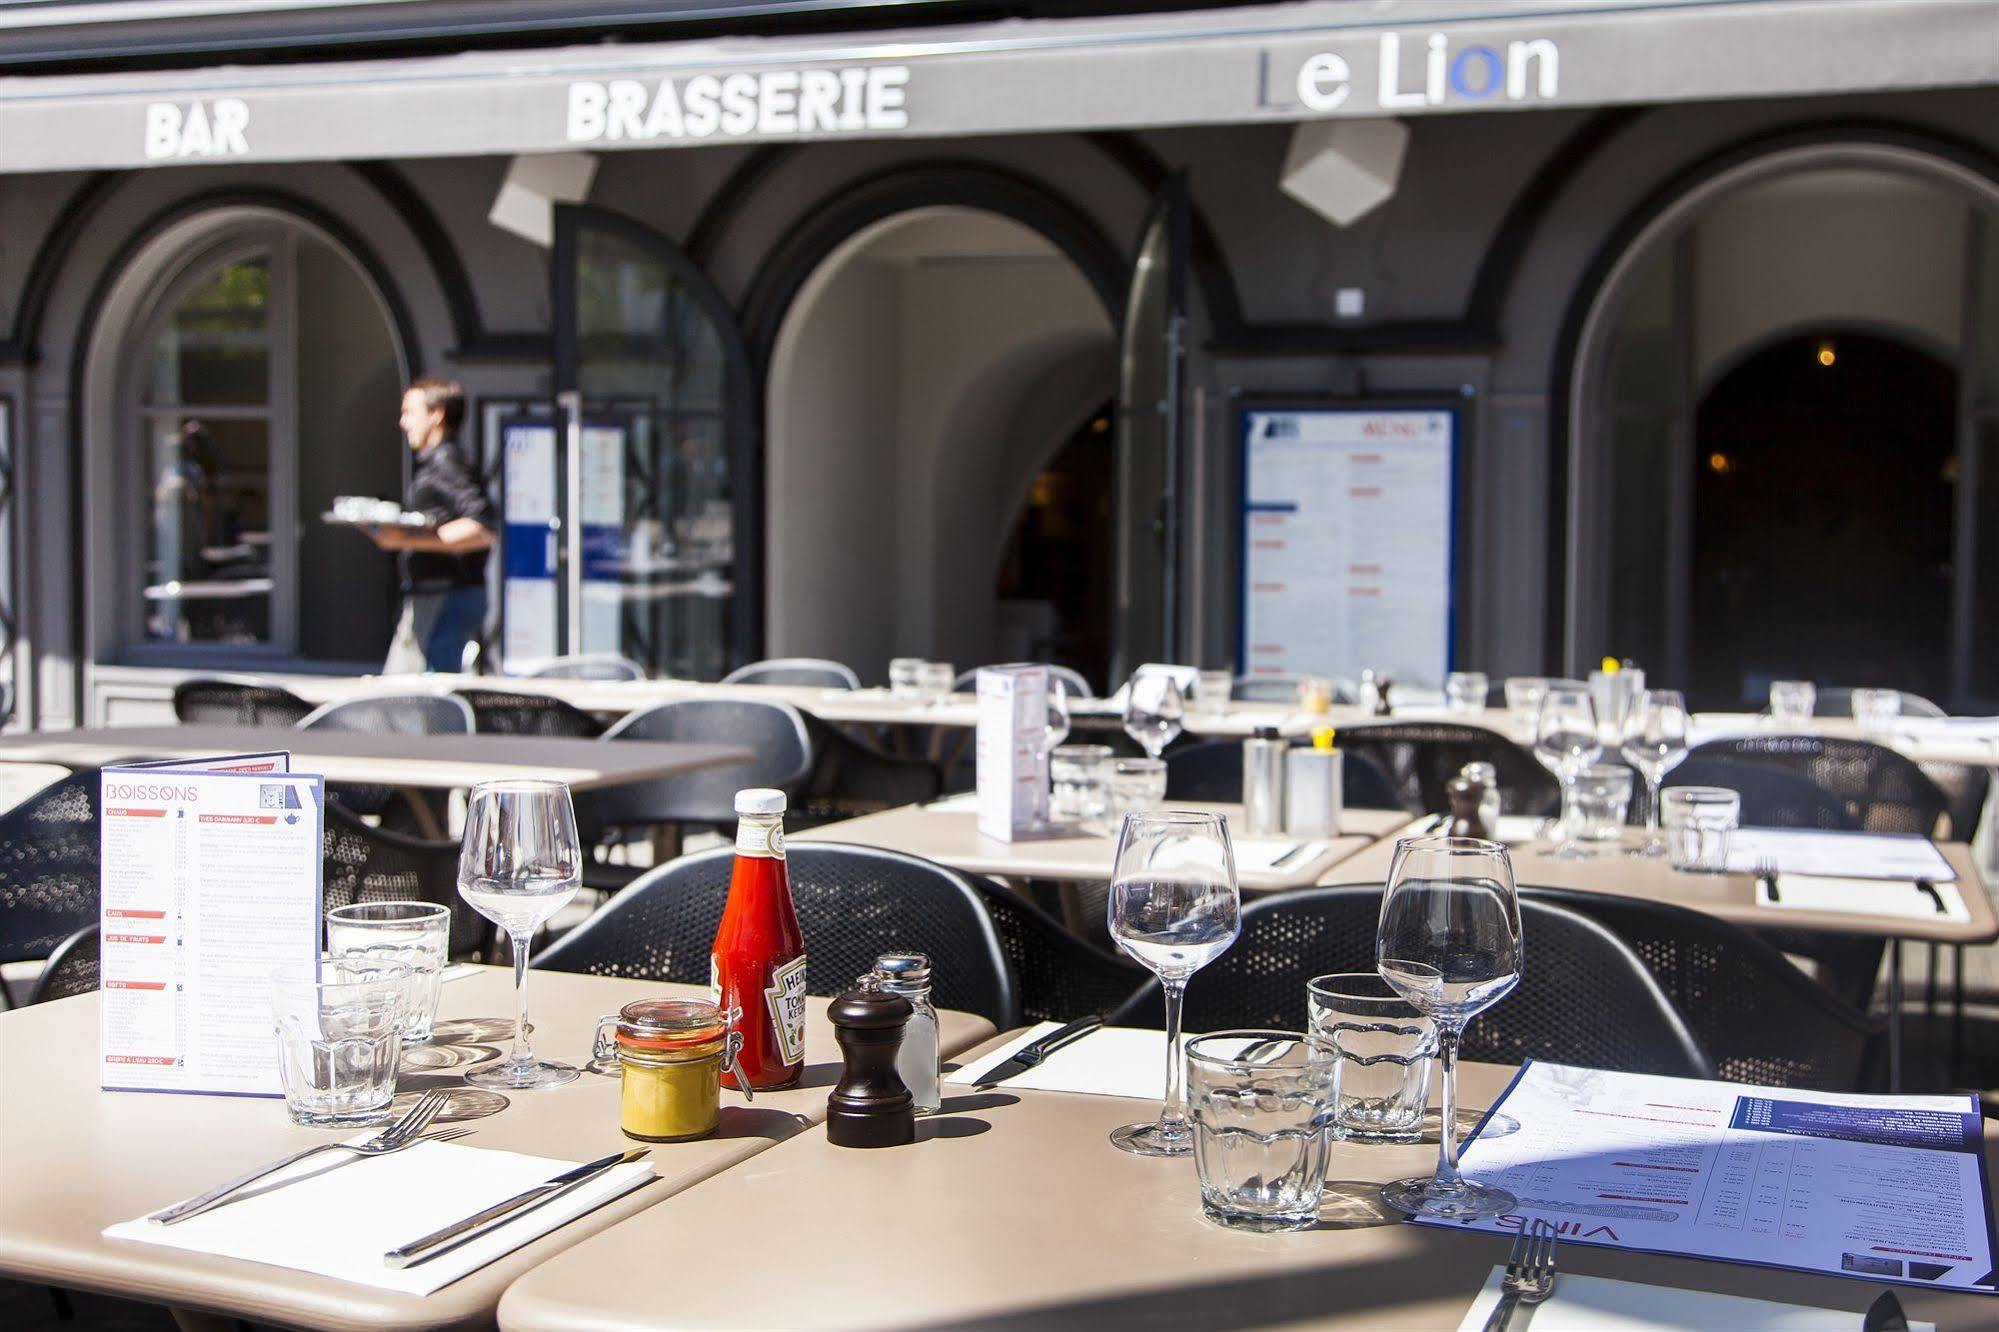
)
(1279, 63)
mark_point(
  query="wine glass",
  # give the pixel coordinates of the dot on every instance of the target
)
(1655, 740)
(1152, 712)
(1174, 908)
(1566, 742)
(521, 863)
(1450, 944)
(1056, 729)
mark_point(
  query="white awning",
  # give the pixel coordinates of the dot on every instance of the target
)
(1320, 58)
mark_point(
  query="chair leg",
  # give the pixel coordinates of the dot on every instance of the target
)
(59, 1297)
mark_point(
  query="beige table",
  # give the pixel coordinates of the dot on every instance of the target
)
(77, 1159)
(949, 834)
(433, 761)
(1014, 1211)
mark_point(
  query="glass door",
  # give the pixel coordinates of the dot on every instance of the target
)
(1149, 425)
(655, 528)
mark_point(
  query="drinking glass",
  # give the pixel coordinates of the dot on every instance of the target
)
(416, 934)
(1792, 702)
(521, 863)
(339, 1039)
(1211, 692)
(1137, 785)
(1174, 907)
(1450, 944)
(905, 678)
(1875, 710)
(1152, 712)
(1078, 786)
(1056, 729)
(1263, 1127)
(1603, 798)
(1465, 692)
(1523, 703)
(1699, 820)
(1655, 740)
(934, 680)
(1566, 742)
(1386, 1050)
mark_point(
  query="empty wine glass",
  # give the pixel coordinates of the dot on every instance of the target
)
(1152, 712)
(1450, 944)
(1056, 729)
(1566, 742)
(1174, 907)
(1655, 740)
(520, 864)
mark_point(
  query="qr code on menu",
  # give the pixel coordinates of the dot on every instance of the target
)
(270, 795)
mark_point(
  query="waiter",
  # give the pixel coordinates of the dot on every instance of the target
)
(444, 565)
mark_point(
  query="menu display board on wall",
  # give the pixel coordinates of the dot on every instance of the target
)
(1349, 517)
(528, 593)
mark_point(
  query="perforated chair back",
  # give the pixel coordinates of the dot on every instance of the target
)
(233, 700)
(1759, 1018)
(774, 732)
(49, 866)
(1881, 789)
(393, 714)
(1060, 977)
(523, 712)
(1584, 997)
(589, 666)
(71, 969)
(1071, 680)
(1211, 770)
(1422, 757)
(854, 903)
(363, 863)
(810, 671)
(1837, 701)
(1964, 788)
(1772, 797)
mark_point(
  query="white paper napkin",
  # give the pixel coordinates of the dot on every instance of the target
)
(1862, 897)
(1260, 854)
(338, 1220)
(1595, 1304)
(1112, 1061)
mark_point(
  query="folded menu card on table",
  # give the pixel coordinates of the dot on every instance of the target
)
(1864, 897)
(343, 1213)
(1594, 1304)
(1845, 855)
(1888, 1189)
(1112, 1061)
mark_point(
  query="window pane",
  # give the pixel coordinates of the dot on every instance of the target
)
(207, 572)
(215, 347)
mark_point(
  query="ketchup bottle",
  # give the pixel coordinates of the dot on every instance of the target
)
(758, 965)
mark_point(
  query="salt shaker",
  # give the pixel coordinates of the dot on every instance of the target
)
(908, 974)
(1367, 697)
(869, 1106)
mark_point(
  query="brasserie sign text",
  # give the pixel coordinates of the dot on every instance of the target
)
(851, 99)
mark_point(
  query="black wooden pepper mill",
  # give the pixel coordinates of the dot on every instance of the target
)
(1466, 794)
(870, 1106)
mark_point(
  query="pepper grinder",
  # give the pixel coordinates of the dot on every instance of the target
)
(1466, 794)
(870, 1106)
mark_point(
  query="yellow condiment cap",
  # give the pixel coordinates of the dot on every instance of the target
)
(1612, 665)
(1323, 737)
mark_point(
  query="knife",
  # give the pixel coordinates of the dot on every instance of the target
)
(1936, 898)
(464, 1232)
(1885, 1315)
(1027, 1056)
(1288, 856)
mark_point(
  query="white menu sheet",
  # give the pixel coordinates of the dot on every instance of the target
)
(1013, 718)
(1838, 855)
(211, 882)
(1884, 1188)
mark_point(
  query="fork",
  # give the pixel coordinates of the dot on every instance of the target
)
(403, 1133)
(1766, 874)
(1530, 1273)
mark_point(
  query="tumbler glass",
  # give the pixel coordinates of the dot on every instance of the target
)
(1137, 784)
(1792, 702)
(1523, 703)
(1079, 789)
(1263, 1128)
(1602, 798)
(1465, 693)
(905, 678)
(1698, 822)
(1386, 1051)
(1211, 692)
(934, 680)
(1875, 710)
(339, 1039)
(416, 934)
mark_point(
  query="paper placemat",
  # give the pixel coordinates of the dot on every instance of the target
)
(1597, 1304)
(344, 1212)
(1845, 855)
(1261, 854)
(1862, 897)
(1112, 1061)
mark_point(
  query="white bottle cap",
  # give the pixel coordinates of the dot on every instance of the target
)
(760, 800)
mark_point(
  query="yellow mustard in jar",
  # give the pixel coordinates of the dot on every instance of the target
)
(669, 1055)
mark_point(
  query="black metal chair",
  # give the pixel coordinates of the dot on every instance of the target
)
(71, 969)
(363, 863)
(238, 700)
(49, 852)
(775, 732)
(388, 714)
(523, 712)
(854, 903)
(1964, 788)
(1761, 1019)
(1211, 770)
(1882, 790)
(1060, 977)
(1422, 757)
(589, 666)
(795, 671)
(1837, 701)
(850, 778)
(1071, 680)
(1772, 797)
(1584, 996)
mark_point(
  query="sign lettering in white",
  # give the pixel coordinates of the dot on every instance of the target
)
(1527, 71)
(200, 129)
(772, 104)
(1347, 535)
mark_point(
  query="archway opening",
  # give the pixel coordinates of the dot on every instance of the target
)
(1056, 572)
(923, 381)
(1823, 498)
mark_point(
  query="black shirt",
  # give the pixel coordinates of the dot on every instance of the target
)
(442, 487)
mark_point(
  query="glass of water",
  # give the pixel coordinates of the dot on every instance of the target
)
(1079, 788)
(1875, 710)
(1174, 907)
(1523, 703)
(1602, 800)
(339, 1039)
(905, 678)
(520, 864)
(1211, 692)
(1792, 702)
(1137, 784)
(416, 934)
(1263, 1128)
(1386, 1051)
(1698, 822)
(1465, 693)
(934, 680)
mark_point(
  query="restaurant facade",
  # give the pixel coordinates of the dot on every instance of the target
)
(961, 339)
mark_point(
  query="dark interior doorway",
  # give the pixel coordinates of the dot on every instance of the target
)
(1056, 572)
(1824, 471)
